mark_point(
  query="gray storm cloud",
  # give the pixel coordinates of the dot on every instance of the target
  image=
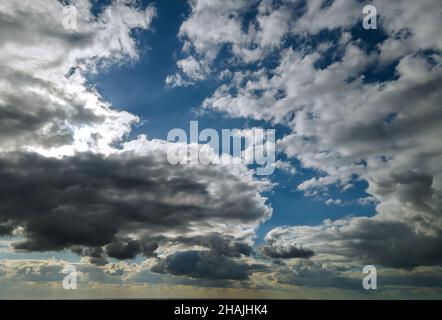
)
(91, 200)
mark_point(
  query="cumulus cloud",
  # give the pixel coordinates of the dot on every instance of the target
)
(125, 202)
(365, 241)
(347, 122)
(206, 264)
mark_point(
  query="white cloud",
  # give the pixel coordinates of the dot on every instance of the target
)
(47, 108)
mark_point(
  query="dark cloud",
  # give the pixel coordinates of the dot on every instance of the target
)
(91, 201)
(384, 131)
(205, 264)
(368, 241)
(223, 244)
(393, 244)
(314, 275)
(288, 251)
(123, 249)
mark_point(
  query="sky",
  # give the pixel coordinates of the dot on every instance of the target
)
(86, 106)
